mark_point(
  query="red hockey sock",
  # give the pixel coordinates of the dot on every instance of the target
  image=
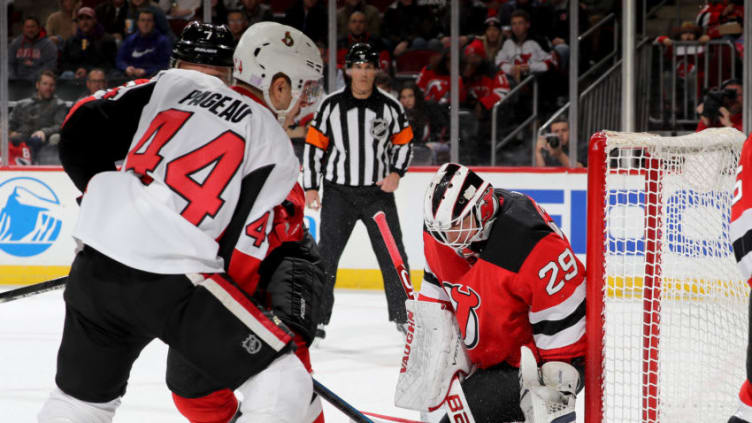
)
(217, 407)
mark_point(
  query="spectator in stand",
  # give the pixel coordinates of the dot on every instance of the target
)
(521, 55)
(487, 45)
(686, 68)
(373, 16)
(407, 25)
(429, 123)
(180, 9)
(111, 15)
(90, 48)
(434, 81)
(556, 29)
(31, 52)
(356, 33)
(237, 24)
(146, 52)
(722, 19)
(725, 111)
(384, 82)
(309, 16)
(160, 19)
(255, 11)
(96, 80)
(60, 24)
(36, 120)
(539, 12)
(552, 149)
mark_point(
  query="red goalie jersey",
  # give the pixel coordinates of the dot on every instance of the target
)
(741, 213)
(523, 286)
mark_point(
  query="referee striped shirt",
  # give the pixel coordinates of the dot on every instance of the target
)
(356, 142)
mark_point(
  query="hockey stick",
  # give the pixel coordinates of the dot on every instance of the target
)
(391, 246)
(339, 403)
(30, 290)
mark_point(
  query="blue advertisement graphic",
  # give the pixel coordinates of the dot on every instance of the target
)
(30, 218)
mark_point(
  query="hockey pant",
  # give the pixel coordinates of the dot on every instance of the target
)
(341, 207)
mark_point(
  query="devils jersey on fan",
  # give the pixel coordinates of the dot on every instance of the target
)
(180, 204)
(741, 212)
(525, 287)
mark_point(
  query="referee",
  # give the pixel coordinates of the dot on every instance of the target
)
(359, 142)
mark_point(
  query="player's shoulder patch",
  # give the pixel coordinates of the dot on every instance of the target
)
(516, 231)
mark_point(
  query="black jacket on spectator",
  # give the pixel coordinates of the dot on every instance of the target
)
(94, 50)
(112, 18)
(313, 24)
(405, 23)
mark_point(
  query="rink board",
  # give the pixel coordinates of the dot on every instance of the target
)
(38, 212)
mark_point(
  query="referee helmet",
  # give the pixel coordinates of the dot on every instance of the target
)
(361, 53)
(205, 44)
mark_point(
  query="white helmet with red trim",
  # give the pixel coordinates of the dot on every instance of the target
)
(267, 49)
(459, 207)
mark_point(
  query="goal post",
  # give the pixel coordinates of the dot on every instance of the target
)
(666, 306)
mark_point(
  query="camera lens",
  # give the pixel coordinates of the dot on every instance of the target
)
(552, 140)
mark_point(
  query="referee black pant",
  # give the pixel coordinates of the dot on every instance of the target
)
(341, 207)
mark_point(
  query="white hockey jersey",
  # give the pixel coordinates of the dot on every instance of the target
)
(205, 166)
(528, 52)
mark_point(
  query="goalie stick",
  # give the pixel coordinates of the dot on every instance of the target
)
(391, 246)
(30, 290)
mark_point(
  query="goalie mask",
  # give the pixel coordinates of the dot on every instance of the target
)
(268, 49)
(459, 207)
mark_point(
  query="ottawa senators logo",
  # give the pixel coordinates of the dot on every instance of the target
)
(465, 302)
(288, 41)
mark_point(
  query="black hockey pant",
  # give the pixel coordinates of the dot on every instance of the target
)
(341, 207)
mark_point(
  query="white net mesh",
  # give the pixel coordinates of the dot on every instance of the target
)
(675, 303)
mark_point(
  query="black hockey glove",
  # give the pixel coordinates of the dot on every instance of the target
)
(292, 285)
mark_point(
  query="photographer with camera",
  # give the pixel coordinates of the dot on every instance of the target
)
(552, 148)
(722, 107)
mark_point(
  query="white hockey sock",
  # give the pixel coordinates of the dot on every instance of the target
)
(281, 393)
(63, 408)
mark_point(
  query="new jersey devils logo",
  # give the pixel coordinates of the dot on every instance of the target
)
(465, 302)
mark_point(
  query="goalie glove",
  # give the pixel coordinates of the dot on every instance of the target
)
(547, 395)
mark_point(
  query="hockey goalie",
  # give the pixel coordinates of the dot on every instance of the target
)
(497, 331)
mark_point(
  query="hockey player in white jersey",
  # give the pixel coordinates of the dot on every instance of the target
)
(204, 167)
(285, 255)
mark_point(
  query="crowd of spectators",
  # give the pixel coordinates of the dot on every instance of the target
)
(502, 42)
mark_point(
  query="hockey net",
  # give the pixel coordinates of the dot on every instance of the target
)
(667, 307)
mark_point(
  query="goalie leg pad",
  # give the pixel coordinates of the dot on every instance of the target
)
(547, 395)
(434, 354)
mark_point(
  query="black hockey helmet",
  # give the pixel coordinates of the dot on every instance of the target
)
(361, 53)
(205, 44)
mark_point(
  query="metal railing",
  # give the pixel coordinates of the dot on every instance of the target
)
(610, 56)
(530, 80)
(687, 69)
(598, 110)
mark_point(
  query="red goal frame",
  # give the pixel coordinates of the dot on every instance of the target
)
(595, 323)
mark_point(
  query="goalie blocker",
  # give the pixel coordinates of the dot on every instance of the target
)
(507, 278)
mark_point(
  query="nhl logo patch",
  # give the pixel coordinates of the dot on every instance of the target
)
(288, 40)
(379, 128)
(252, 344)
